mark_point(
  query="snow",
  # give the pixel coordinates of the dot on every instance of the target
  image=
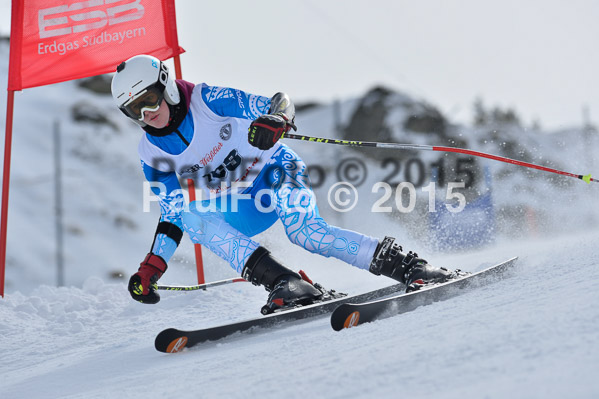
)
(531, 335)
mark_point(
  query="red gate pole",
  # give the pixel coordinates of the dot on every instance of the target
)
(178, 72)
(197, 247)
(5, 186)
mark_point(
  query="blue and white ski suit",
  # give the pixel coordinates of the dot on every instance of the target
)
(242, 190)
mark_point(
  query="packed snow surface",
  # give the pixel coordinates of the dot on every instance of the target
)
(531, 335)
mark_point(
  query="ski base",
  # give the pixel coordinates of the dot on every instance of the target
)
(173, 340)
(350, 314)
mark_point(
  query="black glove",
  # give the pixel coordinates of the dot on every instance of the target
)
(142, 285)
(265, 131)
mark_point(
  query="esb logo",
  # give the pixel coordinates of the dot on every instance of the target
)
(86, 15)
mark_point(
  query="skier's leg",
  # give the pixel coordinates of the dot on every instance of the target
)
(295, 205)
(208, 227)
(296, 208)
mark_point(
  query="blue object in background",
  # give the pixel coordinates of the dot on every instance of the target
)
(473, 227)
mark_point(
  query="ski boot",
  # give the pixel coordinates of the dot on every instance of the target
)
(389, 260)
(287, 289)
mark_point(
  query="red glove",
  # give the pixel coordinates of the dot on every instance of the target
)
(265, 131)
(142, 285)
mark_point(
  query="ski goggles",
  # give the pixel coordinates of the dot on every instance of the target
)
(148, 99)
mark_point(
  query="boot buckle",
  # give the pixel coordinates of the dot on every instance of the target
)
(380, 255)
(410, 256)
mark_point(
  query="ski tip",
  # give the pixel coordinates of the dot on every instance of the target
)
(352, 320)
(176, 345)
(170, 341)
(344, 317)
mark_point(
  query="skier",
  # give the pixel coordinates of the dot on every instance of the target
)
(227, 141)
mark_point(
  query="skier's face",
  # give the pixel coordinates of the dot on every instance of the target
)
(159, 118)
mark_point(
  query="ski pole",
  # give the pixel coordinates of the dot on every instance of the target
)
(422, 147)
(200, 286)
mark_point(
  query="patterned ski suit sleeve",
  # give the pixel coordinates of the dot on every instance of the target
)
(166, 187)
(225, 101)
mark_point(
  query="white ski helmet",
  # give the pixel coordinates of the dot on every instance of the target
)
(140, 84)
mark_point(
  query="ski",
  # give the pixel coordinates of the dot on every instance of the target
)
(173, 340)
(350, 314)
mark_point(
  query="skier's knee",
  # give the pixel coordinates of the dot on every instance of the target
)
(193, 219)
